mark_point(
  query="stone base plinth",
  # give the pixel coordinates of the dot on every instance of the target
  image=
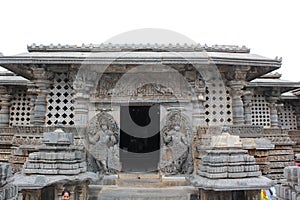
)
(225, 195)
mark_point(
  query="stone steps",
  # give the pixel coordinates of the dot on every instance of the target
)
(139, 176)
(143, 186)
(139, 180)
(133, 193)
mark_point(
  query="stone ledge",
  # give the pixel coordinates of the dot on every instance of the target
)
(230, 184)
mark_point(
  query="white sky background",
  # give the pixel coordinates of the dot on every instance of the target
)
(269, 28)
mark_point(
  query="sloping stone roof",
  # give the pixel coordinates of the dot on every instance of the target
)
(139, 54)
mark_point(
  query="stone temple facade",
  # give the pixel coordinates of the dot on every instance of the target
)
(129, 121)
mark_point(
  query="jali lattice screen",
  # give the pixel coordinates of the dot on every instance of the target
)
(260, 111)
(218, 110)
(20, 109)
(61, 101)
(287, 117)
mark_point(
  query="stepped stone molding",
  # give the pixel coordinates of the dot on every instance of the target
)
(282, 155)
(278, 137)
(295, 136)
(243, 131)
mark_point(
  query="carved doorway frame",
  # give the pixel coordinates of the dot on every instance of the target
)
(140, 137)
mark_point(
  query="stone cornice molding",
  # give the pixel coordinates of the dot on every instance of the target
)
(110, 47)
(153, 58)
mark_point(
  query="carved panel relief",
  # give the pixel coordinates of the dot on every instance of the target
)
(103, 144)
(176, 155)
(142, 84)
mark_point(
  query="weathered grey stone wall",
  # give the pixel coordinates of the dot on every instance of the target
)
(289, 188)
(8, 191)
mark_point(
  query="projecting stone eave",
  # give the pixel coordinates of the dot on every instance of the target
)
(253, 183)
(291, 95)
(10, 79)
(22, 64)
(270, 84)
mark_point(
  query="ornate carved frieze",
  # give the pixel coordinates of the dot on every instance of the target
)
(30, 135)
(26, 139)
(6, 138)
(245, 131)
(278, 137)
(147, 84)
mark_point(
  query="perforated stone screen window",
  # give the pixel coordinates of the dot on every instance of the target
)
(60, 101)
(260, 111)
(287, 117)
(20, 109)
(218, 110)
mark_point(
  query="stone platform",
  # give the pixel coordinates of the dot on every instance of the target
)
(141, 187)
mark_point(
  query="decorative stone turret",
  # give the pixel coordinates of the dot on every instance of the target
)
(227, 170)
(57, 164)
(57, 156)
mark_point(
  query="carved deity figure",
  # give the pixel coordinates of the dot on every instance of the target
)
(101, 144)
(175, 137)
(110, 139)
(94, 134)
(175, 150)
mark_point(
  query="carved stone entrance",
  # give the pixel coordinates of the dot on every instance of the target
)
(140, 138)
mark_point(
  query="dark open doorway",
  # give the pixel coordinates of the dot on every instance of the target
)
(139, 138)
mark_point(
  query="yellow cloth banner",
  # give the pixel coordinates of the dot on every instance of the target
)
(263, 195)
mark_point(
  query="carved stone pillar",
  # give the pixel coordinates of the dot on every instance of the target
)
(32, 95)
(237, 103)
(272, 97)
(40, 107)
(4, 107)
(40, 90)
(247, 97)
(81, 109)
(237, 78)
(199, 110)
(84, 83)
(273, 111)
